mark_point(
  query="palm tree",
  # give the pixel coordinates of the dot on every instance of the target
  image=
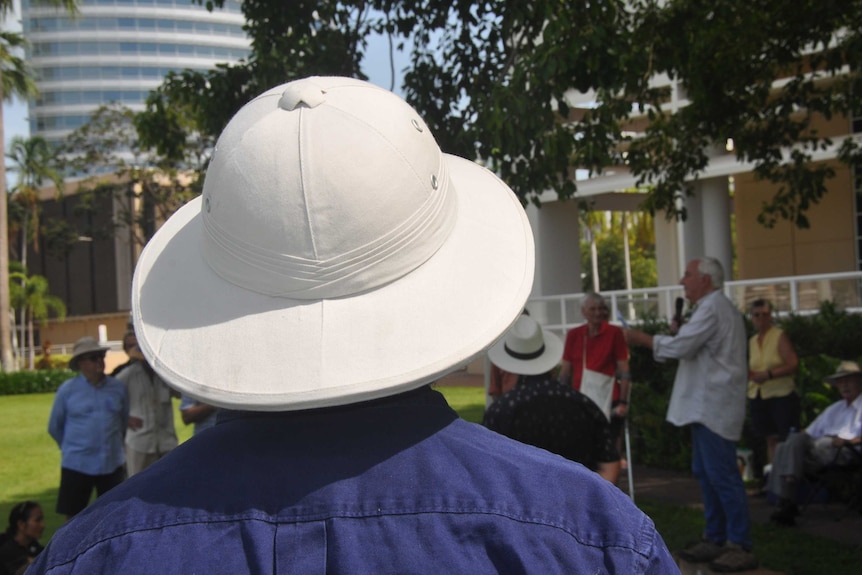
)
(33, 159)
(32, 297)
(15, 80)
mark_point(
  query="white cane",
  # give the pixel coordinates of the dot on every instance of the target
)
(629, 444)
(629, 459)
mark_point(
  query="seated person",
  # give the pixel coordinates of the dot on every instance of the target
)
(542, 412)
(20, 543)
(840, 424)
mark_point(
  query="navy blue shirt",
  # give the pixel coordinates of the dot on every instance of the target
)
(398, 485)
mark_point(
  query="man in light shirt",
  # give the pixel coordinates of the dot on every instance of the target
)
(709, 395)
(821, 443)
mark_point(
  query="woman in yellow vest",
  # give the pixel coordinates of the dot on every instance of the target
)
(775, 407)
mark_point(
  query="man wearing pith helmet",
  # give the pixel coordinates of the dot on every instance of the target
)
(336, 264)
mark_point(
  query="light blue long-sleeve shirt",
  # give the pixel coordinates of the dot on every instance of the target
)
(88, 423)
(712, 377)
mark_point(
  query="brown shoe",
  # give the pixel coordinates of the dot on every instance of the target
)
(734, 559)
(786, 515)
(702, 552)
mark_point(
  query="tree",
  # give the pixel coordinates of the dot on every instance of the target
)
(32, 296)
(491, 80)
(516, 61)
(34, 161)
(607, 228)
(289, 40)
(149, 186)
(15, 80)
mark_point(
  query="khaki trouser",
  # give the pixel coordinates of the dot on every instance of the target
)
(137, 461)
(799, 455)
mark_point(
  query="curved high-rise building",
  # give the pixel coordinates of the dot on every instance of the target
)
(118, 51)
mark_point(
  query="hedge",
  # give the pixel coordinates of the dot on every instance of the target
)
(39, 381)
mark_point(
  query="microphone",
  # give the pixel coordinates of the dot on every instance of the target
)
(678, 315)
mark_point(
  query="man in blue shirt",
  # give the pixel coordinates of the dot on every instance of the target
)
(336, 263)
(88, 420)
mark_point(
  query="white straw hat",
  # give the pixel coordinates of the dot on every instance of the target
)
(845, 369)
(527, 349)
(336, 255)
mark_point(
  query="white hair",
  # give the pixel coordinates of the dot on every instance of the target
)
(711, 267)
(592, 296)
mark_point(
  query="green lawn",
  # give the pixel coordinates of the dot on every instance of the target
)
(31, 460)
(30, 469)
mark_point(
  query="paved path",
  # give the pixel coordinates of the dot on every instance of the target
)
(682, 489)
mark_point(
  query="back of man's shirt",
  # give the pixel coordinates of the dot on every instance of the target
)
(398, 485)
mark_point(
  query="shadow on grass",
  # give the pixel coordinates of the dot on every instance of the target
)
(777, 548)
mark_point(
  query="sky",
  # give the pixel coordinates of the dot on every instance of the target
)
(15, 113)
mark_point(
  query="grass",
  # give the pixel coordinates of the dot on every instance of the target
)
(31, 460)
(469, 402)
(778, 549)
(31, 470)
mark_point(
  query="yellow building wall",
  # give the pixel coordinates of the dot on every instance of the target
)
(827, 246)
(74, 328)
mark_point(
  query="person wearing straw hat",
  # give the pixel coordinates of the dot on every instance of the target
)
(820, 443)
(336, 264)
(541, 411)
(88, 420)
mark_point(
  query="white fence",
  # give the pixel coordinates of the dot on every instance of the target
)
(795, 294)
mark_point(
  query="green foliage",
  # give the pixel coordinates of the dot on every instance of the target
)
(36, 165)
(54, 362)
(611, 263)
(469, 402)
(148, 188)
(39, 381)
(491, 80)
(654, 441)
(16, 79)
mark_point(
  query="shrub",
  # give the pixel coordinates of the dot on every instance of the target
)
(53, 361)
(654, 441)
(39, 381)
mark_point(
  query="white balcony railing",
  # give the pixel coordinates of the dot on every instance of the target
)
(794, 294)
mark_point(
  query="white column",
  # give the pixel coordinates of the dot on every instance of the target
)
(716, 209)
(125, 264)
(691, 229)
(558, 253)
(667, 251)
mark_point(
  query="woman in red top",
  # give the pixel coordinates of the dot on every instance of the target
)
(606, 352)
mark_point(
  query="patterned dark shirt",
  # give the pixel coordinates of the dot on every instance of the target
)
(541, 412)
